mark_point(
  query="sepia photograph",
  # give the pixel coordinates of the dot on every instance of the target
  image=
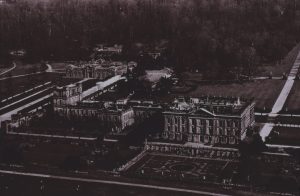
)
(149, 97)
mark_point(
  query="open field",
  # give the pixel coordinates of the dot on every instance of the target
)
(3, 69)
(264, 92)
(22, 68)
(11, 185)
(51, 154)
(43, 152)
(189, 76)
(59, 66)
(208, 171)
(284, 136)
(283, 67)
(292, 103)
(14, 86)
(290, 119)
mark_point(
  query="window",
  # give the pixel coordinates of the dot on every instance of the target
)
(190, 137)
(221, 123)
(217, 139)
(202, 131)
(228, 131)
(233, 132)
(207, 122)
(210, 131)
(197, 129)
(175, 120)
(211, 122)
(206, 138)
(171, 136)
(202, 122)
(229, 123)
(223, 140)
(183, 121)
(231, 140)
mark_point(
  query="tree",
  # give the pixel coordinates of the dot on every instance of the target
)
(164, 85)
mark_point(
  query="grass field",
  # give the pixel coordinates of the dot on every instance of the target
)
(290, 119)
(51, 154)
(22, 68)
(285, 136)
(264, 92)
(14, 86)
(12, 185)
(283, 67)
(4, 68)
(293, 101)
(59, 66)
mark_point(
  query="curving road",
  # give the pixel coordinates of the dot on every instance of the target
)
(10, 69)
(49, 68)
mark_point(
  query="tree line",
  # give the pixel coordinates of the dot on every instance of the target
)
(216, 37)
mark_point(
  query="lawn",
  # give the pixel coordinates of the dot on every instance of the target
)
(12, 86)
(292, 103)
(284, 136)
(22, 68)
(51, 153)
(283, 67)
(3, 68)
(191, 76)
(264, 92)
(17, 185)
(59, 66)
(290, 119)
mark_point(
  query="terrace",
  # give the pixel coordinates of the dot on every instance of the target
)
(227, 173)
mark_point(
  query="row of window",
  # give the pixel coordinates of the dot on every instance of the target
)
(98, 74)
(201, 138)
(204, 130)
(212, 139)
(202, 122)
(218, 131)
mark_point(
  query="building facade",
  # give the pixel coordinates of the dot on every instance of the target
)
(208, 121)
(101, 71)
(67, 95)
(112, 116)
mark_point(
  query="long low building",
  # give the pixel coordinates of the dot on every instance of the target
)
(73, 93)
(101, 103)
(98, 70)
